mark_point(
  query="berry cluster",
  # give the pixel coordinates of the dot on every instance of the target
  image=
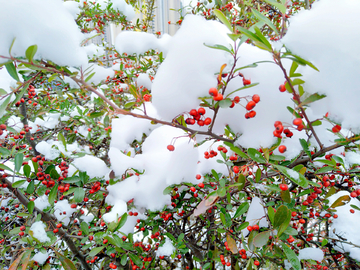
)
(279, 129)
(197, 117)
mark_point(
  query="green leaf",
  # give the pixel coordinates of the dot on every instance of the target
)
(30, 52)
(12, 44)
(3, 151)
(27, 170)
(31, 206)
(88, 78)
(71, 180)
(12, 71)
(223, 19)
(236, 150)
(18, 161)
(258, 175)
(225, 103)
(84, 227)
(95, 251)
(276, 157)
(30, 188)
(331, 191)
(298, 59)
(261, 239)
(279, 6)
(312, 98)
(293, 68)
(65, 262)
(241, 209)
(135, 259)
(52, 194)
(122, 221)
(280, 216)
(324, 242)
(294, 176)
(285, 196)
(285, 224)
(271, 214)
(219, 47)
(243, 226)
(291, 231)
(355, 207)
(234, 36)
(293, 112)
(305, 147)
(4, 105)
(264, 19)
(167, 190)
(61, 138)
(79, 194)
(18, 183)
(291, 256)
(221, 192)
(256, 155)
(96, 114)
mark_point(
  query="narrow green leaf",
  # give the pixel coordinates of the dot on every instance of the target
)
(285, 224)
(71, 180)
(4, 105)
(88, 78)
(293, 68)
(294, 176)
(27, 170)
(122, 221)
(123, 259)
(312, 98)
(243, 226)
(95, 251)
(85, 228)
(291, 256)
(30, 52)
(256, 155)
(279, 6)
(223, 19)
(12, 71)
(12, 44)
(52, 194)
(291, 231)
(18, 161)
(305, 147)
(167, 190)
(271, 214)
(261, 17)
(219, 47)
(31, 206)
(241, 209)
(18, 183)
(61, 138)
(258, 175)
(135, 259)
(30, 188)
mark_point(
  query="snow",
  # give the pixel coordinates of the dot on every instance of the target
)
(346, 226)
(352, 158)
(42, 202)
(94, 50)
(310, 35)
(58, 42)
(293, 174)
(47, 150)
(131, 42)
(144, 80)
(73, 8)
(87, 218)
(311, 254)
(38, 230)
(166, 249)
(124, 8)
(63, 211)
(117, 211)
(40, 257)
(93, 166)
(255, 215)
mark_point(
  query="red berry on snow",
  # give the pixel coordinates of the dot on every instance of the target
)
(170, 147)
(282, 148)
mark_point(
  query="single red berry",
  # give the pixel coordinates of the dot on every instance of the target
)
(207, 121)
(336, 129)
(252, 114)
(198, 176)
(55, 230)
(218, 97)
(251, 104)
(353, 194)
(352, 211)
(297, 121)
(256, 227)
(193, 189)
(73, 205)
(201, 111)
(282, 88)
(282, 148)
(236, 169)
(170, 147)
(283, 187)
(256, 98)
(257, 263)
(193, 112)
(250, 228)
(213, 91)
(201, 185)
(246, 82)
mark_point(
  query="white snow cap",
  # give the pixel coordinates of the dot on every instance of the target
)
(93, 166)
(167, 249)
(311, 254)
(40, 257)
(58, 42)
(38, 229)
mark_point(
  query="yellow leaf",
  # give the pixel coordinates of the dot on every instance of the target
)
(221, 70)
(231, 244)
(341, 201)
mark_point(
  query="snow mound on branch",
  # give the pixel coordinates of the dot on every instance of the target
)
(311, 35)
(38, 229)
(61, 207)
(131, 42)
(188, 70)
(93, 166)
(47, 150)
(255, 215)
(166, 249)
(311, 254)
(40, 257)
(58, 42)
(124, 8)
(73, 8)
(346, 226)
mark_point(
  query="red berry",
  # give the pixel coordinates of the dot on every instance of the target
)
(352, 211)
(336, 129)
(198, 176)
(353, 194)
(257, 263)
(73, 205)
(193, 112)
(277, 123)
(207, 121)
(249, 228)
(201, 111)
(170, 147)
(282, 88)
(236, 169)
(256, 227)
(283, 187)
(246, 82)
(252, 114)
(213, 91)
(251, 104)
(256, 98)
(193, 189)
(218, 97)
(282, 148)
(201, 185)
(297, 121)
